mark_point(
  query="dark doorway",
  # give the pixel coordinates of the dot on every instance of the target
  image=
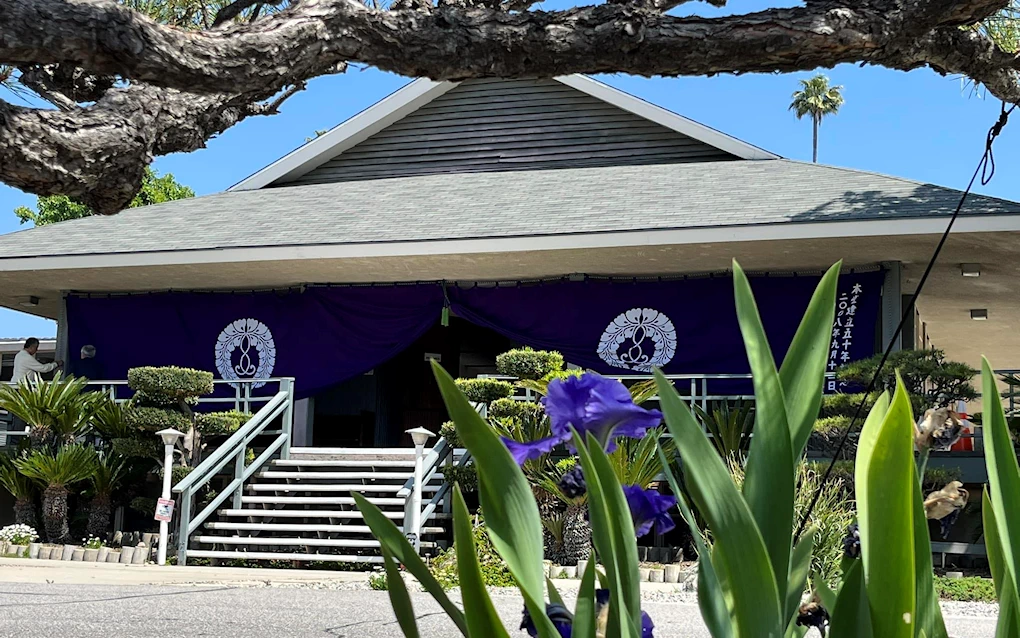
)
(375, 409)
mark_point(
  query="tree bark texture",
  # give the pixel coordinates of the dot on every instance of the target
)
(182, 87)
(54, 513)
(24, 512)
(814, 138)
(99, 516)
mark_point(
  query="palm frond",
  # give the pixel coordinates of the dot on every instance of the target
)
(108, 419)
(108, 471)
(636, 462)
(729, 427)
(60, 406)
(71, 464)
(19, 485)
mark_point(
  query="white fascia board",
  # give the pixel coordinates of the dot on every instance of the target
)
(666, 118)
(357, 129)
(623, 239)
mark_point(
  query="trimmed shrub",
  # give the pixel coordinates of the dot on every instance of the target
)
(464, 475)
(152, 419)
(485, 390)
(220, 422)
(169, 384)
(495, 573)
(138, 448)
(177, 473)
(935, 478)
(512, 409)
(970, 589)
(525, 363)
(843, 404)
(448, 431)
(833, 425)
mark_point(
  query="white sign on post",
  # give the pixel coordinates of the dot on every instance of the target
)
(164, 509)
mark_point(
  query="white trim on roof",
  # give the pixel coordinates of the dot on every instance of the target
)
(682, 236)
(663, 117)
(418, 93)
(375, 118)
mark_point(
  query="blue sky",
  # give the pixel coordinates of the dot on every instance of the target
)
(917, 125)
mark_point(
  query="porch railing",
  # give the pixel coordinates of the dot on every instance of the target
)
(233, 450)
(416, 513)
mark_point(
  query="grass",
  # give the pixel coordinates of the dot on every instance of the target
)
(969, 589)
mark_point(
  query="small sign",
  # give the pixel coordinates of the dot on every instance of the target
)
(164, 509)
(433, 356)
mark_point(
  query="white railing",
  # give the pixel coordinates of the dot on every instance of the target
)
(234, 449)
(415, 513)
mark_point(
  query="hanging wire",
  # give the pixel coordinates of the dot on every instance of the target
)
(986, 170)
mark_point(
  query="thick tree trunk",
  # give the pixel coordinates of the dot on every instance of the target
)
(55, 514)
(99, 516)
(24, 512)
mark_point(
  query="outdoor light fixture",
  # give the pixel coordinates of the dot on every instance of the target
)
(970, 270)
(419, 435)
(979, 314)
(31, 302)
(170, 437)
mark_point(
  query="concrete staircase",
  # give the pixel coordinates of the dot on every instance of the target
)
(301, 508)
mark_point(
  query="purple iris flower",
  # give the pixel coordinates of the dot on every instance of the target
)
(602, 599)
(592, 403)
(530, 450)
(561, 618)
(648, 508)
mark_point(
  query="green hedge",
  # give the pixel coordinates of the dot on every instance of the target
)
(843, 404)
(177, 473)
(448, 431)
(151, 419)
(138, 448)
(526, 363)
(833, 425)
(485, 390)
(220, 422)
(970, 589)
(170, 384)
(511, 409)
(935, 478)
(464, 475)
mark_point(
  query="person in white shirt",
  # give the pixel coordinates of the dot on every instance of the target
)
(26, 366)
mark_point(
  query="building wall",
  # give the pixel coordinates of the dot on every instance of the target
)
(501, 125)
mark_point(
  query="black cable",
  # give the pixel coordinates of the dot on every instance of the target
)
(986, 169)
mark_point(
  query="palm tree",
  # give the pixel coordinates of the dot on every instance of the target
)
(108, 472)
(817, 99)
(56, 472)
(21, 488)
(57, 411)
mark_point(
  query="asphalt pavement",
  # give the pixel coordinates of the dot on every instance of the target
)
(45, 610)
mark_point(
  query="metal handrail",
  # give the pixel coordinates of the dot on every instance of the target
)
(440, 497)
(235, 447)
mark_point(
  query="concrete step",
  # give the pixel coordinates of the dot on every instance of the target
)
(294, 513)
(317, 500)
(296, 556)
(299, 527)
(391, 488)
(337, 476)
(292, 462)
(289, 542)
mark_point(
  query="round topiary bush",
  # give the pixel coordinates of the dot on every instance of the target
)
(448, 431)
(169, 384)
(220, 422)
(485, 390)
(512, 409)
(151, 419)
(139, 448)
(463, 475)
(525, 363)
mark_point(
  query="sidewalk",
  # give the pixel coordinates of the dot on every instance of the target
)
(23, 570)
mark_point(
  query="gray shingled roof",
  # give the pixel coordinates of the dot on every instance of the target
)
(511, 204)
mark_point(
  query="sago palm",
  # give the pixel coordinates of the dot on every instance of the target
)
(21, 488)
(817, 99)
(57, 472)
(106, 477)
(57, 411)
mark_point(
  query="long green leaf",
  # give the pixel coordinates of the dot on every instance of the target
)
(929, 613)
(617, 553)
(803, 371)
(800, 567)
(739, 547)
(584, 610)
(1003, 473)
(851, 616)
(768, 477)
(399, 599)
(1005, 591)
(391, 538)
(511, 514)
(482, 619)
(825, 593)
(885, 483)
(711, 598)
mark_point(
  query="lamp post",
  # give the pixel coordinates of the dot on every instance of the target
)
(419, 436)
(170, 437)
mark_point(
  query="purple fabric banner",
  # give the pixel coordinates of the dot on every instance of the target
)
(320, 336)
(684, 326)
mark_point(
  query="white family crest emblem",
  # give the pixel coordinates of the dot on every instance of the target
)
(639, 339)
(253, 342)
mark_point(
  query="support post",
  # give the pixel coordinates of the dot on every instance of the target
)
(892, 303)
(420, 436)
(170, 437)
(239, 475)
(287, 425)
